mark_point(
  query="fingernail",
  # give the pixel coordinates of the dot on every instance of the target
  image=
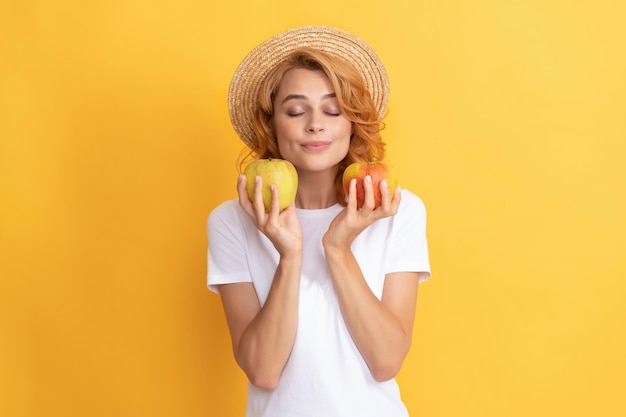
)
(368, 179)
(384, 183)
(257, 178)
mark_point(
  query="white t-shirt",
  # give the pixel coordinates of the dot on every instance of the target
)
(325, 374)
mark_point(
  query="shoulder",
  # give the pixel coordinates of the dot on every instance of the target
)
(225, 208)
(226, 213)
(410, 203)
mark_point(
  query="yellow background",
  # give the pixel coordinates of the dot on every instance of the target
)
(506, 117)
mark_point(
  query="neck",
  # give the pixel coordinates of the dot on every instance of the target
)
(316, 190)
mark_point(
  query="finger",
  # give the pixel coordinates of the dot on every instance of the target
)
(395, 203)
(275, 203)
(257, 202)
(244, 199)
(385, 199)
(352, 195)
(368, 189)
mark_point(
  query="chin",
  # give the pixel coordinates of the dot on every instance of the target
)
(310, 167)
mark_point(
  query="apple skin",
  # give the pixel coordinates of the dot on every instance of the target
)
(279, 172)
(378, 171)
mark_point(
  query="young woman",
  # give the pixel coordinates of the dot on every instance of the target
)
(319, 297)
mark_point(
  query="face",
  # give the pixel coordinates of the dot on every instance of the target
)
(310, 129)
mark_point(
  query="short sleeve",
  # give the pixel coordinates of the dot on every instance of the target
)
(226, 250)
(408, 247)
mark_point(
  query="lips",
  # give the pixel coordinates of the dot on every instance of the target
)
(315, 146)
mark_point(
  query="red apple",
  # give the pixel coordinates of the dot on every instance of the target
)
(378, 171)
(277, 172)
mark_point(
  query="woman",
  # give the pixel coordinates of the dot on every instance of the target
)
(319, 297)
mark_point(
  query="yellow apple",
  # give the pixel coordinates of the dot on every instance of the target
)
(277, 172)
(378, 171)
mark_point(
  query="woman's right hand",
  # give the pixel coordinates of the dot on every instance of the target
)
(282, 227)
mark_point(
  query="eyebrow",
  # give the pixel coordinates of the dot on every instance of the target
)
(303, 97)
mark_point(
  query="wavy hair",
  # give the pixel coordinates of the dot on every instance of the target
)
(354, 101)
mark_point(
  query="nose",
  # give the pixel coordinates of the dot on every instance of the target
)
(315, 123)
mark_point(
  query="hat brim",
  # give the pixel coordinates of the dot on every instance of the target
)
(249, 75)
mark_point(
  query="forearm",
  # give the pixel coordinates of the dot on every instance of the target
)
(377, 332)
(266, 344)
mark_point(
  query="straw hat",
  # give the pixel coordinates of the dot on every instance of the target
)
(244, 87)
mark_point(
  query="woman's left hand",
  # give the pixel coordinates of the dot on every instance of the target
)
(380, 328)
(352, 220)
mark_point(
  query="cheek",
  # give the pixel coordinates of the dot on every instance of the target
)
(343, 136)
(282, 128)
(279, 133)
(344, 130)
(283, 134)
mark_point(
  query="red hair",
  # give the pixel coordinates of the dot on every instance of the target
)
(354, 100)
